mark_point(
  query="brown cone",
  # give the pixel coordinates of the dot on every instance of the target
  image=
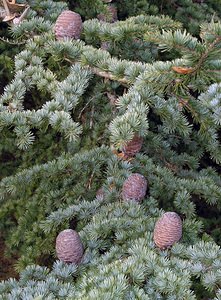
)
(69, 247)
(68, 25)
(134, 188)
(133, 146)
(168, 230)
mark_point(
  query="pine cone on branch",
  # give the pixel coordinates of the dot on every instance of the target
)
(168, 230)
(68, 25)
(69, 247)
(134, 188)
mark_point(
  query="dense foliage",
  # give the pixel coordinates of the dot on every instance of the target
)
(67, 110)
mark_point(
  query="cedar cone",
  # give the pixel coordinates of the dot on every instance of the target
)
(168, 230)
(133, 146)
(68, 25)
(134, 188)
(69, 247)
(111, 15)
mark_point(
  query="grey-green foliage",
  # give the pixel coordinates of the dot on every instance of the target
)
(56, 112)
(125, 38)
(176, 113)
(38, 282)
(121, 262)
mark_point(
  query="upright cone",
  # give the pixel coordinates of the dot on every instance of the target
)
(168, 230)
(69, 247)
(134, 188)
(68, 25)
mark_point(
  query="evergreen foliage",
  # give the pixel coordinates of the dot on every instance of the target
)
(65, 117)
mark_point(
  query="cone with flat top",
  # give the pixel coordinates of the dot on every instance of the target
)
(168, 230)
(134, 188)
(68, 25)
(69, 247)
